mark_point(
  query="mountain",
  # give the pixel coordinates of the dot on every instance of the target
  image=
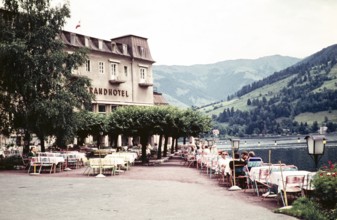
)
(198, 85)
(296, 100)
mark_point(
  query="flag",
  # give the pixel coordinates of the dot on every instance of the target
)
(78, 25)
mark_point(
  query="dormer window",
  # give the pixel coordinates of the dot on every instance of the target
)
(86, 42)
(141, 51)
(125, 49)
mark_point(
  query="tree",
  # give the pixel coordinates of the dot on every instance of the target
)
(249, 102)
(38, 90)
(314, 127)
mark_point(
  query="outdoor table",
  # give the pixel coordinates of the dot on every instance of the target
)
(278, 178)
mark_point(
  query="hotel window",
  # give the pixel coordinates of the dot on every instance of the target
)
(142, 74)
(87, 65)
(126, 71)
(113, 70)
(100, 67)
(101, 108)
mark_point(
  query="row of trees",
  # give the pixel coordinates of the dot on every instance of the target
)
(138, 121)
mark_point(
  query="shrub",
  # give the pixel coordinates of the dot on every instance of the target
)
(325, 183)
(305, 208)
(322, 206)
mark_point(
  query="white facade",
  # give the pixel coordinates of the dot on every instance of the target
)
(120, 70)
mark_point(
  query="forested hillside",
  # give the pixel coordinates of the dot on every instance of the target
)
(272, 105)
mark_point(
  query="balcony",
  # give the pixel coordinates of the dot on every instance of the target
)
(144, 83)
(115, 80)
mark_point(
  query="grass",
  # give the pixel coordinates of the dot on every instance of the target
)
(319, 117)
(267, 91)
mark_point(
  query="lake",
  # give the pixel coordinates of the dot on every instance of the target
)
(288, 150)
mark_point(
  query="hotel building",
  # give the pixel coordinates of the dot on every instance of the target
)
(120, 70)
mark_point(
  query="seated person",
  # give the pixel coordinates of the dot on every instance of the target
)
(239, 165)
(223, 160)
(244, 156)
(32, 152)
(251, 154)
(206, 150)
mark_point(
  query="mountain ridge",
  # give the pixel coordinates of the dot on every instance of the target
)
(284, 102)
(199, 84)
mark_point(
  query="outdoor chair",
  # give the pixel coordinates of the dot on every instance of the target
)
(292, 188)
(34, 165)
(308, 187)
(254, 162)
(262, 181)
(94, 165)
(240, 173)
(46, 165)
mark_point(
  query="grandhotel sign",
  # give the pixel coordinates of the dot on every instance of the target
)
(109, 92)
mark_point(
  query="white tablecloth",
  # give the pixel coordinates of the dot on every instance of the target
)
(279, 178)
(255, 171)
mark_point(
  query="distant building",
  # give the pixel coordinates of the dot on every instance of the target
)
(120, 70)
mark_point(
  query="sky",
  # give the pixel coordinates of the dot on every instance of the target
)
(187, 32)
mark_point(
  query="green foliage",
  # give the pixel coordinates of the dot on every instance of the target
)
(37, 87)
(325, 183)
(322, 205)
(304, 208)
(143, 121)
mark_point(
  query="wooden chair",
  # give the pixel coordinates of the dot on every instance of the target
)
(240, 173)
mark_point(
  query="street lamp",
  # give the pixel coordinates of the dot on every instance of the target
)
(235, 148)
(99, 152)
(316, 145)
(235, 145)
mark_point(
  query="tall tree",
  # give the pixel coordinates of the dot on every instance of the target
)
(37, 87)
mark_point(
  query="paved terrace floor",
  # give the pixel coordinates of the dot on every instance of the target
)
(166, 191)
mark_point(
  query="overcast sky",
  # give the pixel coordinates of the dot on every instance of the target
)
(186, 32)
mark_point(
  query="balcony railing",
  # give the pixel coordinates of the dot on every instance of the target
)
(145, 83)
(116, 80)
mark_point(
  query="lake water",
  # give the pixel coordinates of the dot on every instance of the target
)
(288, 150)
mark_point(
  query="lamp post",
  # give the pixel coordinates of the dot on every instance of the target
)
(316, 146)
(235, 148)
(99, 152)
